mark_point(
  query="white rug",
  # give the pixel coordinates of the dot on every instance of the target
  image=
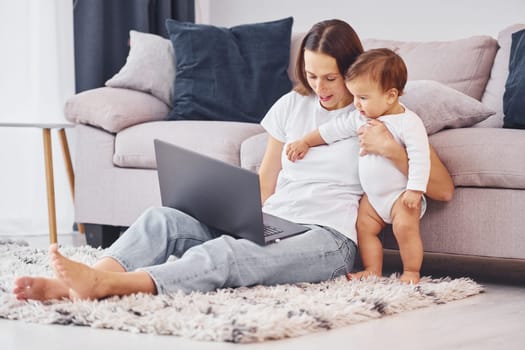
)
(241, 315)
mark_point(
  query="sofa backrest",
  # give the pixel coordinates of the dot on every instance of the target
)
(476, 66)
(463, 64)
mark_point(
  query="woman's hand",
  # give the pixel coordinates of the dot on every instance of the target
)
(374, 138)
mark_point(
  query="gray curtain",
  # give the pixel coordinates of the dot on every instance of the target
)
(102, 33)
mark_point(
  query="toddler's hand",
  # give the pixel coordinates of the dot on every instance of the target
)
(296, 150)
(412, 199)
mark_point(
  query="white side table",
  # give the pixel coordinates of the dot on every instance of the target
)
(48, 157)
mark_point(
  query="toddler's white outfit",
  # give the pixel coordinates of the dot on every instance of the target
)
(380, 179)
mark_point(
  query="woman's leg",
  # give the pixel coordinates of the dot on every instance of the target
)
(39, 288)
(157, 234)
(153, 238)
(316, 255)
(86, 282)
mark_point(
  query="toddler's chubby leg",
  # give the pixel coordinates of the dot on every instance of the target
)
(369, 224)
(405, 224)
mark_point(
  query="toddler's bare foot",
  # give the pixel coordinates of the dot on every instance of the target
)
(83, 281)
(39, 288)
(410, 277)
(362, 274)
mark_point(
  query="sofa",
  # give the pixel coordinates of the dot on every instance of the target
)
(116, 179)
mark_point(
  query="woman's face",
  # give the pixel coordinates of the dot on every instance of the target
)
(325, 80)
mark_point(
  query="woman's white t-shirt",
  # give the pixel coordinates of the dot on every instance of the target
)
(322, 188)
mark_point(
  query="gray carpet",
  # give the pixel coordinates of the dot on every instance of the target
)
(242, 315)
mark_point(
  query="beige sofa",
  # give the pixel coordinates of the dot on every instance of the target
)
(116, 177)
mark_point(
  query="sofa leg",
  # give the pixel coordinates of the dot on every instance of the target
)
(101, 235)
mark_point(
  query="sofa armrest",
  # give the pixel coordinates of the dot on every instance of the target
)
(114, 109)
(252, 151)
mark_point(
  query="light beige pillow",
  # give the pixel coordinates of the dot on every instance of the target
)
(149, 67)
(462, 64)
(114, 109)
(441, 107)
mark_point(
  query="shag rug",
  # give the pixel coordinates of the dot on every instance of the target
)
(242, 315)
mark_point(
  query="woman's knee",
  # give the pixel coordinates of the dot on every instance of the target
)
(176, 224)
(160, 212)
(153, 213)
(166, 216)
(160, 221)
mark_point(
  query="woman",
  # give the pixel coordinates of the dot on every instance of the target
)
(322, 192)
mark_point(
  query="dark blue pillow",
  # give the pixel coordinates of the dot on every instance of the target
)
(514, 96)
(232, 74)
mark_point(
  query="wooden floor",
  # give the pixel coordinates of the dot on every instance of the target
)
(492, 320)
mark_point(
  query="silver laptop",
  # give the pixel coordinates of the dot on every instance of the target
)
(221, 195)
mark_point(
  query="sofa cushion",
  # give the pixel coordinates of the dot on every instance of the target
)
(441, 107)
(149, 67)
(220, 140)
(233, 74)
(483, 157)
(114, 109)
(462, 64)
(493, 95)
(473, 156)
(514, 96)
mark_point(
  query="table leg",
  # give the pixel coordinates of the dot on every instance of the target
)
(51, 211)
(69, 168)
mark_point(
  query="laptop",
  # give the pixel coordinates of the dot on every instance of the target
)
(221, 195)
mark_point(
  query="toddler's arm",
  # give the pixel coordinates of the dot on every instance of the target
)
(298, 149)
(418, 151)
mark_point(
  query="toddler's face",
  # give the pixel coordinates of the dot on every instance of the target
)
(370, 99)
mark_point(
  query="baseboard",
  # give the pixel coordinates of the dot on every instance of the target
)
(479, 268)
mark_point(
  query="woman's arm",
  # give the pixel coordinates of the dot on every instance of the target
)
(440, 185)
(376, 139)
(270, 167)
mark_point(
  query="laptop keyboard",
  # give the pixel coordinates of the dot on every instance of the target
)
(271, 230)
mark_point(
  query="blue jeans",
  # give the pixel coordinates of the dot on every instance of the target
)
(208, 261)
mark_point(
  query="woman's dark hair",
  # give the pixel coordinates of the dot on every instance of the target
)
(334, 38)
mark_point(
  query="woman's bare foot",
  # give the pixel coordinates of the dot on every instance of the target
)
(39, 288)
(83, 281)
(361, 274)
(410, 277)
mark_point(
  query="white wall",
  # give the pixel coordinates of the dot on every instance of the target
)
(36, 77)
(385, 19)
